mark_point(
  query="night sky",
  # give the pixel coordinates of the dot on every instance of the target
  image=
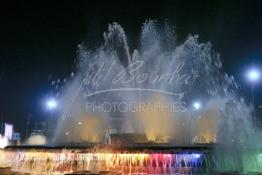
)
(38, 41)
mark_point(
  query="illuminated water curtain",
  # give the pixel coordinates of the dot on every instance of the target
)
(125, 163)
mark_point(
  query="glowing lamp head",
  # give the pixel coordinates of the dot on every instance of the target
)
(51, 104)
(196, 105)
(253, 75)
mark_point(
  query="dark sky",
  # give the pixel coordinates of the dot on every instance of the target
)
(38, 40)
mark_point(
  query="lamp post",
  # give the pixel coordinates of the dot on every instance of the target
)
(195, 107)
(51, 105)
(253, 76)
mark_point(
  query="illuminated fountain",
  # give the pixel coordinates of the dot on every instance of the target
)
(150, 90)
(145, 96)
(59, 162)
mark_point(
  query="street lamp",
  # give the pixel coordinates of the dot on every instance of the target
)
(195, 107)
(253, 76)
(51, 105)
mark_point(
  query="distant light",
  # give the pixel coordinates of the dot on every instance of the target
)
(79, 123)
(197, 105)
(8, 131)
(67, 133)
(253, 75)
(51, 104)
(3, 142)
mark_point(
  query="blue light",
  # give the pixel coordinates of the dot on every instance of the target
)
(197, 105)
(51, 104)
(253, 75)
(196, 155)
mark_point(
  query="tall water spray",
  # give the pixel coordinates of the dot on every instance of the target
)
(150, 90)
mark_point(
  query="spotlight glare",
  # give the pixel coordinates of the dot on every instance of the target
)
(196, 105)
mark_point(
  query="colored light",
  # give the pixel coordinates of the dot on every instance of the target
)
(196, 155)
(138, 163)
